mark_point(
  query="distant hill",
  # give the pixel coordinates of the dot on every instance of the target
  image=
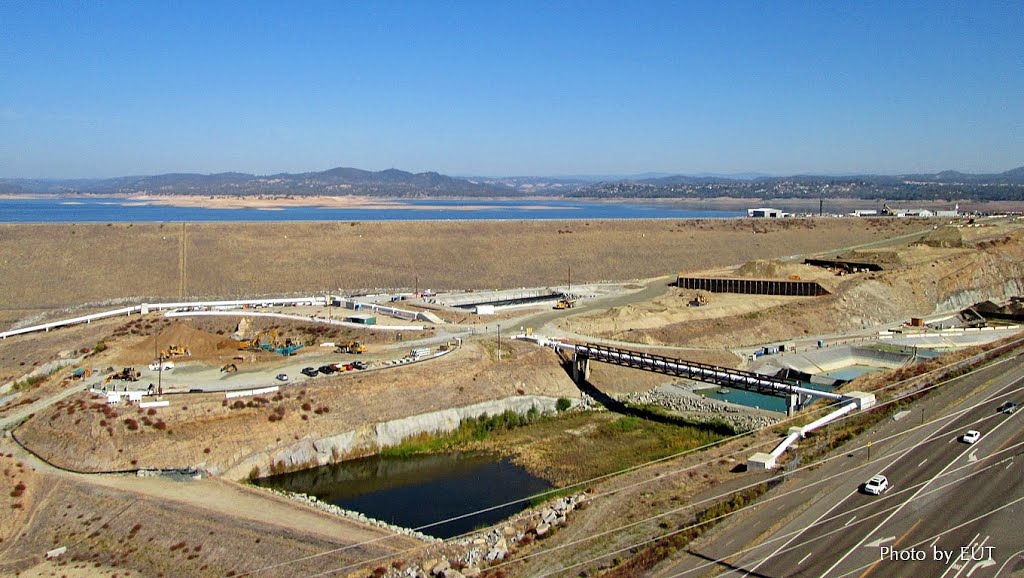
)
(337, 181)
(1008, 185)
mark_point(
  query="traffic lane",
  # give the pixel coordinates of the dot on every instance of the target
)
(828, 504)
(973, 527)
(817, 553)
(971, 486)
(916, 461)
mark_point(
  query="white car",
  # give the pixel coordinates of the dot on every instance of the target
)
(876, 485)
(971, 436)
(282, 377)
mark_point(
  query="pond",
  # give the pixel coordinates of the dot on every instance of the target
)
(417, 492)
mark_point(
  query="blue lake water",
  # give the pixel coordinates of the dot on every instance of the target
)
(753, 399)
(117, 210)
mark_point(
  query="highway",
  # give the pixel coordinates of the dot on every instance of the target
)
(953, 509)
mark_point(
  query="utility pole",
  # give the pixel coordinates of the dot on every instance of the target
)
(499, 343)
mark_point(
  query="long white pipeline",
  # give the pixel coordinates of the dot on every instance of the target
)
(802, 432)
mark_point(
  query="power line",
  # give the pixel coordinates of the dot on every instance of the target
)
(634, 468)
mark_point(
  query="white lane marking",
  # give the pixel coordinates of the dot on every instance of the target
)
(879, 542)
(982, 564)
(809, 555)
(957, 566)
(905, 502)
(973, 456)
(922, 462)
(850, 522)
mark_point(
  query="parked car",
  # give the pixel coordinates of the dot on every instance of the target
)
(1008, 407)
(876, 485)
(309, 371)
(360, 364)
(282, 377)
(327, 369)
(971, 436)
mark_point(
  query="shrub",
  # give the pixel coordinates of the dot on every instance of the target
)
(563, 404)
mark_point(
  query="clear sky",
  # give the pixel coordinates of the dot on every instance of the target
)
(91, 89)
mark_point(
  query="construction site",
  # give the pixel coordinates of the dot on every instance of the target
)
(143, 435)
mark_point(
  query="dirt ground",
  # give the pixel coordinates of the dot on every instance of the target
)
(78, 263)
(916, 281)
(214, 527)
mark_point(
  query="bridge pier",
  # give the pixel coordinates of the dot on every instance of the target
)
(580, 368)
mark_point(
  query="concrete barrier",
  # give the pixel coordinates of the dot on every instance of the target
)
(248, 392)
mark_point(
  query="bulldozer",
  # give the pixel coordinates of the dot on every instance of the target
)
(699, 300)
(350, 347)
(126, 374)
(175, 351)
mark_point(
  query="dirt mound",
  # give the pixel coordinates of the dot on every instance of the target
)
(946, 237)
(760, 268)
(202, 344)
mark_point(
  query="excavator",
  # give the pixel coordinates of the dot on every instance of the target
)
(257, 343)
(350, 347)
(229, 368)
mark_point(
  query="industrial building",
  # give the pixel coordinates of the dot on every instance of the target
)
(766, 213)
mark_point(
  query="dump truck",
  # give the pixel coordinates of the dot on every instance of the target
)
(351, 347)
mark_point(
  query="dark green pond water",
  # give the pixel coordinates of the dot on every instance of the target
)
(416, 492)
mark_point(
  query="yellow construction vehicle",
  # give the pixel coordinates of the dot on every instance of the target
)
(350, 347)
(126, 374)
(263, 341)
(229, 368)
(175, 351)
(699, 300)
(565, 303)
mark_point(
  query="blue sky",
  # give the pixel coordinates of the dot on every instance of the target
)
(510, 88)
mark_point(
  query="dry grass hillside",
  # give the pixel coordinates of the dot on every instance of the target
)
(208, 431)
(113, 531)
(54, 266)
(918, 281)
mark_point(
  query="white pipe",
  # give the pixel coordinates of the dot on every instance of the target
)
(802, 432)
(779, 449)
(294, 318)
(827, 418)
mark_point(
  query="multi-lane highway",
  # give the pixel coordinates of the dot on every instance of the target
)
(953, 509)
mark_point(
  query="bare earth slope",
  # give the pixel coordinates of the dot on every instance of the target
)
(54, 266)
(919, 281)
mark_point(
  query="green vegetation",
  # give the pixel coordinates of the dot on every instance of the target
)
(471, 429)
(563, 404)
(28, 382)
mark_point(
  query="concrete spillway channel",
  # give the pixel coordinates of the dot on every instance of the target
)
(583, 354)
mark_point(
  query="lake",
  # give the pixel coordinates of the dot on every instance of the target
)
(119, 210)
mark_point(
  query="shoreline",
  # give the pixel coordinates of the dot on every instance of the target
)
(529, 203)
